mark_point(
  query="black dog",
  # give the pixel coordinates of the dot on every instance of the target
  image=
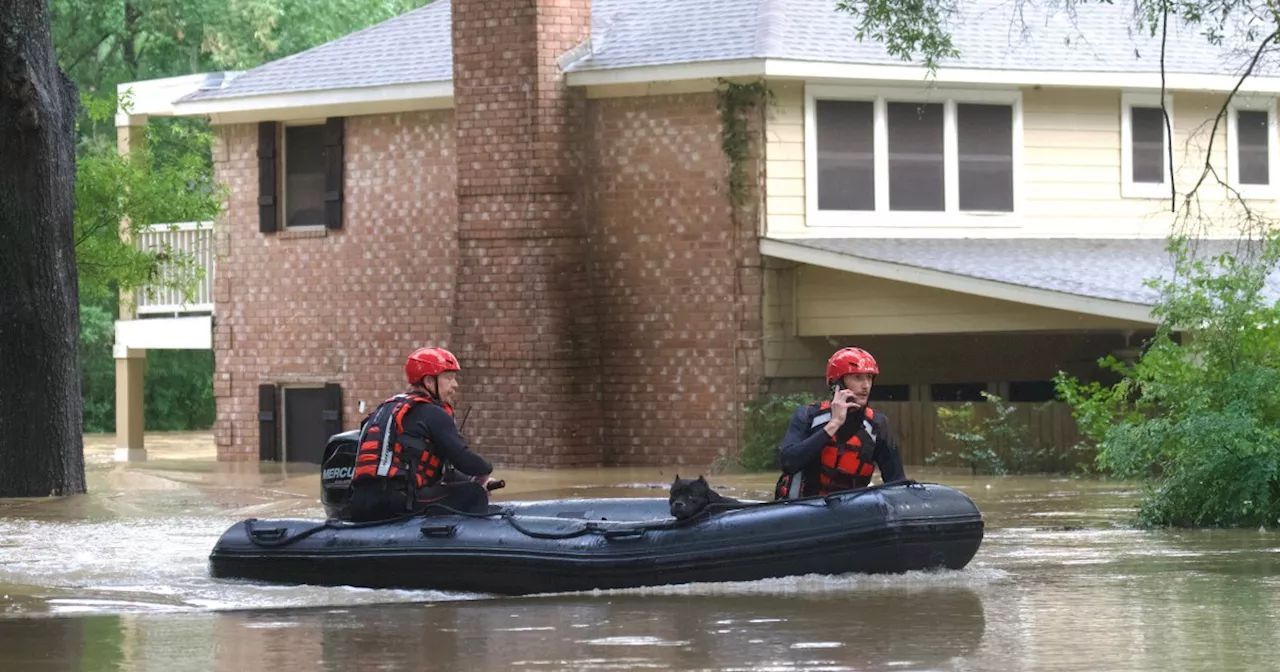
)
(689, 497)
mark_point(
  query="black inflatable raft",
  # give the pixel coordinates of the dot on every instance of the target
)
(584, 544)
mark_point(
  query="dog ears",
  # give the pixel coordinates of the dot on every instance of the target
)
(701, 479)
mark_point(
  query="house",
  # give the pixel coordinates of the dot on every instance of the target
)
(543, 189)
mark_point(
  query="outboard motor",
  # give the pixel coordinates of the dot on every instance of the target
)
(336, 470)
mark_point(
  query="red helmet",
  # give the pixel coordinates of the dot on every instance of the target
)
(429, 362)
(850, 360)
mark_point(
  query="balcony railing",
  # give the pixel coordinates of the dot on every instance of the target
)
(195, 238)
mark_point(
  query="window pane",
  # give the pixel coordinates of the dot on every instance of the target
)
(890, 393)
(846, 155)
(1148, 144)
(916, 168)
(304, 175)
(1253, 145)
(985, 148)
(957, 391)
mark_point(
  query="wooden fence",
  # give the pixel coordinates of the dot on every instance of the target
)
(915, 423)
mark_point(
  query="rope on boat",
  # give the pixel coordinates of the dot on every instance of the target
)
(276, 537)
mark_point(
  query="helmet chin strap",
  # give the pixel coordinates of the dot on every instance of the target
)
(432, 391)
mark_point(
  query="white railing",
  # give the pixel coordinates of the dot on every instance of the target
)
(195, 238)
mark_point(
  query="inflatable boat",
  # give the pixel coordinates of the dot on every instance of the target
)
(524, 547)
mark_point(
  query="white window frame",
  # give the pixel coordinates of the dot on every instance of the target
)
(283, 180)
(1129, 188)
(951, 215)
(1257, 104)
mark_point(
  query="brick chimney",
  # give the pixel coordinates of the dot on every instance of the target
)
(525, 318)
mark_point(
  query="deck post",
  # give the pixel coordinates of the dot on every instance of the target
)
(131, 365)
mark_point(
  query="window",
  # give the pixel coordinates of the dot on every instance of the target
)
(1032, 391)
(1144, 145)
(890, 393)
(917, 156)
(300, 174)
(1251, 146)
(303, 190)
(846, 155)
(957, 391)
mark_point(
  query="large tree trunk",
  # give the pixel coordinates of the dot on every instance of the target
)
(41, 445)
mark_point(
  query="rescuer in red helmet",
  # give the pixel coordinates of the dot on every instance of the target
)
(836, 445)
(407, 442)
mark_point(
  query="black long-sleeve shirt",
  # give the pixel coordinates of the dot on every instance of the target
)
(434, 424)
(802, 445)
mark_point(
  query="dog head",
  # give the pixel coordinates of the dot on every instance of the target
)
(689, 496)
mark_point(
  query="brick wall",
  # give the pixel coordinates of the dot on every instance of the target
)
(339, 306)
(580, 257)
(525, 320)
(677, 281)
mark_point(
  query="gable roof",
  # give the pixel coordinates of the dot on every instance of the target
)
(416, 47)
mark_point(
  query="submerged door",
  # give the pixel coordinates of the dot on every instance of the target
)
(311, 415)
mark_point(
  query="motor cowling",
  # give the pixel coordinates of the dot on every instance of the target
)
(336, 469)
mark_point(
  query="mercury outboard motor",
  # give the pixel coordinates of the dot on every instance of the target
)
(336, 470)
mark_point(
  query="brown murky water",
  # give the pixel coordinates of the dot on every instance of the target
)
(118, 580)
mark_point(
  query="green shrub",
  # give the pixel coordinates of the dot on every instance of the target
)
(1198, 421)
(764, 426)
(978, 437)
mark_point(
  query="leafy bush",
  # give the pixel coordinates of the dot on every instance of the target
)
(979, 437)
(1198, 421)
(177, 389)
(764, 426)
(97, 366)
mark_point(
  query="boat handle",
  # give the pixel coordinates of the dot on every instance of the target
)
(438, 530)
(271, 534)
(624, 534)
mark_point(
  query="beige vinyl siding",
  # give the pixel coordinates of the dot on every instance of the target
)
(830, 302)
(786, 356)
(1070, 173)
(784, 160)
(965, 358)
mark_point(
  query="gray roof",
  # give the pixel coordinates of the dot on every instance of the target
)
(415, 47)
(991, 34)
(1113, 269)
(412, 48)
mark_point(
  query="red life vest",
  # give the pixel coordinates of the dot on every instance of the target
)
(385, 451)
(843, 464)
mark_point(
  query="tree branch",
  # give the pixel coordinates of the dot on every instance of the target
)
(1208, 170)
(86, 53)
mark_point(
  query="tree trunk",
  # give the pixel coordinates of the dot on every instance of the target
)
(41, 445)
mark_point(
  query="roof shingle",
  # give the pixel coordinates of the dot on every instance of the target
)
(1114, 269)
(416, 47)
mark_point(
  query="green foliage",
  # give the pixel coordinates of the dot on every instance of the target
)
(97, 365)
(102, 44)
(905, 27)
(735, 101)
(978, 434)
(111, 188)
(177, 390)
(765, 423)
(1198, 421)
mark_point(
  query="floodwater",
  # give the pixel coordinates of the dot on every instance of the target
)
(118, 580)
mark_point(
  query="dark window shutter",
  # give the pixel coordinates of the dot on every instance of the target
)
(268, 424)
(332, 409)
(268, 208)
(334, 131)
